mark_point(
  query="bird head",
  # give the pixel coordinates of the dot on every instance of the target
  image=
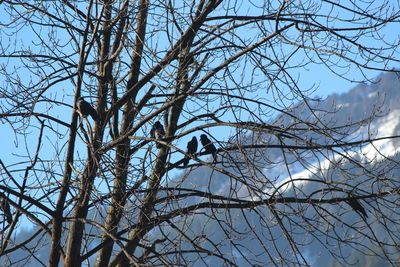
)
(157, 124)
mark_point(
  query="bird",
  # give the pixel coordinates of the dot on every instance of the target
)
(86, 109)
(356, 205)
(157, 132)
(191, 149)
(5, 207)
(208, 146)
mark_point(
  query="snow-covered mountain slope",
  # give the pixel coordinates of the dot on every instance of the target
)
(383, 130)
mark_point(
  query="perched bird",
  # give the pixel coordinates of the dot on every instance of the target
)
(191, 149)
(157, 132)
(208, 146)
(86, 109)
(5, 207)
(356, 205)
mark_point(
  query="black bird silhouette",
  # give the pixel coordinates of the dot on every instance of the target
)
(86, 109)
(356, 205)
(5, 207)
(208, 146)
(191, 149)
(157, 132)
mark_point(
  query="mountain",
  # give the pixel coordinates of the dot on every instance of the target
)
(380, 160)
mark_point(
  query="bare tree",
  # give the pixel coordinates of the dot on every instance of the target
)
(110, 193)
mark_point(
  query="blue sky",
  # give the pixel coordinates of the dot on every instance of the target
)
(323, 81)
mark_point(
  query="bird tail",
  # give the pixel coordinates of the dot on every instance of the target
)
(186, 161)
(94, 116)
(9, 217)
